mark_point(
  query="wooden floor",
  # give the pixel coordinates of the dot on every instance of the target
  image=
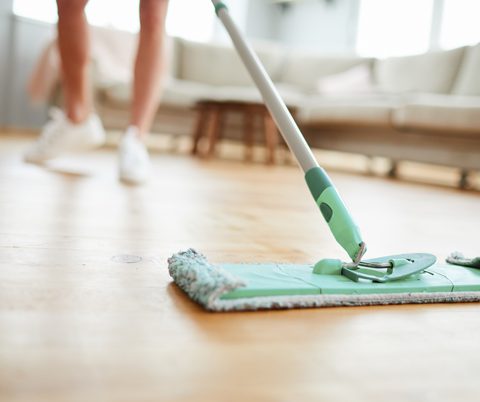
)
(78, 323)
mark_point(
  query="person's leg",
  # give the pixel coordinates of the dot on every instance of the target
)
(149, 64)
(74, 47)
(134, 163)
(77, 128)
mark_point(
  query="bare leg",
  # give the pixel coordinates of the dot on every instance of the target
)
(73, 42)
(149, 64)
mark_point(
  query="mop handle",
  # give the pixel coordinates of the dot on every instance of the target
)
(326, 196)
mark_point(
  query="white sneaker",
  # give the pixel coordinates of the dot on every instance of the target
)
(60, 136)
(133, 159)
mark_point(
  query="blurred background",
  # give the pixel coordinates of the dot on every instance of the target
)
(378, 28)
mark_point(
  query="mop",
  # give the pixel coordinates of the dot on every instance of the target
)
(394, 279)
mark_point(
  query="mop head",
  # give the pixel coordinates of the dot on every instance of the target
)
(230, 287)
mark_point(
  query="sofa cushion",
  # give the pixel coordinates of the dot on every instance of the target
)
(356, 80)
(113, 53)
(305, 69)
(177, 93)
(362, 109)
(290, 95)
(172, 56)
(113, 56)
(468, 79)
(432, 72)
(181, 93)
(440, 112)
(220, 65)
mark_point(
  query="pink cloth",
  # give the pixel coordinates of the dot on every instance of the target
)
(45, 75)
(113, 53)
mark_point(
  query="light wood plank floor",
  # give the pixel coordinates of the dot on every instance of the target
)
(78, 325)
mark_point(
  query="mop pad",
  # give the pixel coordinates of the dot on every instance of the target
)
(237, 287)
(458, 258)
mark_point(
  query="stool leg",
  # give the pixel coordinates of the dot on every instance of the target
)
(271, 137)
(393, 170)
(222, 115)
(464, 182)
(199, 126)
(213, 131)
(248, 134)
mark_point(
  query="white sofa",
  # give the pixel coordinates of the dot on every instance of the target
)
(424, 108)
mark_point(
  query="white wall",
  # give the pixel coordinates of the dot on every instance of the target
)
(326, 26)
(21, 41)
(263, 20)
(322, 25)
(28, 40)
(5, 9)
(238, 10)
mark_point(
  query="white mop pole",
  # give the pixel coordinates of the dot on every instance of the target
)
(279, 111)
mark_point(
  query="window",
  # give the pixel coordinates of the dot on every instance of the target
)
(125, 17)
(460, 23)
(41, 10)
(190, 19)
(394, 27)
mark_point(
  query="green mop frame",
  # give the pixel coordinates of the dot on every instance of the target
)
(405, 278)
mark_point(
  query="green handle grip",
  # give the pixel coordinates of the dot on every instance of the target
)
(333, 209)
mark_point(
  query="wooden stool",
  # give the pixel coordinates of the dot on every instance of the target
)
(210, 122)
